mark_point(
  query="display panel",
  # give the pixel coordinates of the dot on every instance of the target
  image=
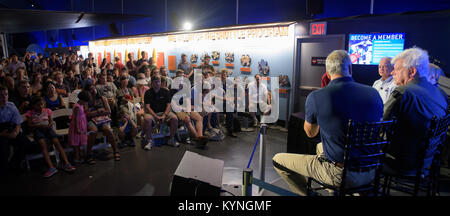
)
(368, 49)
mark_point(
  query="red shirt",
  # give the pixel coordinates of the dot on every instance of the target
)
(325, 80)
(119, 66)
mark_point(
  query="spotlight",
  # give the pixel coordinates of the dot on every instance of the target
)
(187, 26)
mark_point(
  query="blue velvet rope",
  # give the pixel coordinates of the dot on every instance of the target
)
(254, 148)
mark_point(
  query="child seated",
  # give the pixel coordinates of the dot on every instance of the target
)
(41, 123)
(127, 128)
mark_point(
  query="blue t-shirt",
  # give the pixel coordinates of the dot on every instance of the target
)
(331, 108)
(9, 113)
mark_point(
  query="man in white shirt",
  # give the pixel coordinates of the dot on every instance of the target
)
(257, 92)
(385, 85)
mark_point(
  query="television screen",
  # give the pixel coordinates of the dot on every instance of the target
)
(368, 49)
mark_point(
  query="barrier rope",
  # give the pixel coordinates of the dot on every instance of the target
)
(254, 148)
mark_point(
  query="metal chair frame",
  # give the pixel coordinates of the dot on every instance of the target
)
(413, 184)
(370, 139)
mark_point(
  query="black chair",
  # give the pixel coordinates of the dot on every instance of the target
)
(364, 151)
(427, 174)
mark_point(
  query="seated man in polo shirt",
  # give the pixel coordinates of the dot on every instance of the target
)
(413, 103)
(385, 85)
(328, 110)
(158, 109)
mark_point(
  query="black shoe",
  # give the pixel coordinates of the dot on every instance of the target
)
(132, 143)
(122, 145)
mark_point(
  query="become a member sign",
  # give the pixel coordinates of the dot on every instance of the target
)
(370, 48)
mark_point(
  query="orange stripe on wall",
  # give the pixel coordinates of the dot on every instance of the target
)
(160, 59)
(172, 63)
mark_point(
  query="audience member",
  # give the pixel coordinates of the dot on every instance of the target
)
(158, 110)
(53, 100)
(385, 85)
(413, 103)
(435, 72)
(98, 115)
(187, 68)
(41, 122)
(10, 135)
(61, 87)
(36, 84)
(78, 125)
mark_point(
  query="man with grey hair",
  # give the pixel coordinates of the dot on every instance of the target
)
(385, 85)
(413, 103)
(328, 110)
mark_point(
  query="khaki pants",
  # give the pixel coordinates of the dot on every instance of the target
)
(296, 168)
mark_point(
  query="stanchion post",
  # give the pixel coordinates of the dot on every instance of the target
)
(247, 176)
(262, 153)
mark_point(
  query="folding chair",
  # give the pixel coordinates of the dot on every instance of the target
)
(33, 156)
(428, 169)
(364, 145)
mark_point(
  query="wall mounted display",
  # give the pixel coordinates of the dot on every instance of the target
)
(229, 58)
(204, 56)
(368, 49)
(194, 58)
(284, 81)
(246, 61)
(263, 67)
(215, 56)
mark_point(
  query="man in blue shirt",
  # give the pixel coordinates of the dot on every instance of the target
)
(10, 121)
(413, 103)
(328, 110)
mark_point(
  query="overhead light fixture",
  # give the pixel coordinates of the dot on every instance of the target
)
(187, 26)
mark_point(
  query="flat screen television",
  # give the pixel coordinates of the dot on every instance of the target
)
(368, 49)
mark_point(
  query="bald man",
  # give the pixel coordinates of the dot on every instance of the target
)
(385, 85)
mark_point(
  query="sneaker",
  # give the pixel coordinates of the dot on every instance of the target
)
(132, 143)
(69, 168)
(77, 162)
(50, 172)
(123, 145)
(173, 142)
(149, 145)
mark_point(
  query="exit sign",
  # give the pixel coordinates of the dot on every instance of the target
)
(318, 28)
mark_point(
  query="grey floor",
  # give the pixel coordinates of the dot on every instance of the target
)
(149, 173)
(146, 173)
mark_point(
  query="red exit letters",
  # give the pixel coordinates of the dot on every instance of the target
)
(319, 28)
